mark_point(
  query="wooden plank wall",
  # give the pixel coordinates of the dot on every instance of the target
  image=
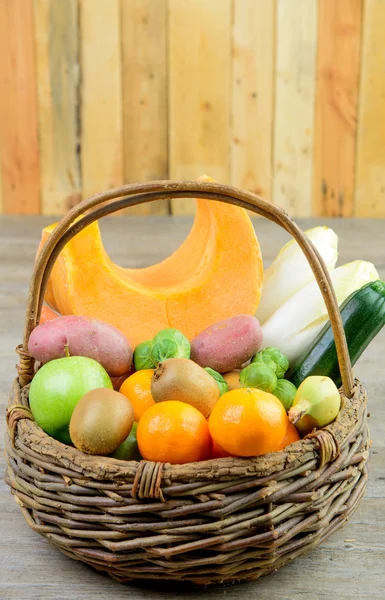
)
(199, 91)
(18, 109)
(252, 100)
(145, 115)
(281, 97)
(57, 61)
(101, 115)
(295, 89)
(338, 64)
(370, 174)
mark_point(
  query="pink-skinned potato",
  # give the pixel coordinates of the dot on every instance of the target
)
(118, 380)
(83, 337)
(228, 344)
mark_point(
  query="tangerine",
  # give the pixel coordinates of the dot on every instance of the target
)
(248, 422)
(232, 379)
(173, 432)
(137, 388)
(291, 436)
(217, 451)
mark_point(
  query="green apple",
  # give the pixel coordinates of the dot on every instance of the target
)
(57, 388)
(128, 450)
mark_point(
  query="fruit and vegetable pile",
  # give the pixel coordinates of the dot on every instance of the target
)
(201, 356)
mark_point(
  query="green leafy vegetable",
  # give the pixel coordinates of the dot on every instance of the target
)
(142, 356)
(258, 375)
(285, 392)
(221, 381)
(169, 343)
(274, 359)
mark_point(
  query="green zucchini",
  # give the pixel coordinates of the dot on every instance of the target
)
(363, 316)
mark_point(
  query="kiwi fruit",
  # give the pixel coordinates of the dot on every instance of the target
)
(101, 421)
(183, 380)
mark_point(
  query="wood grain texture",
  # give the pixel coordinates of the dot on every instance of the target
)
(1, 183)
(18, 109)
(252, 95)
(144, 35)
(295, 84)
(370, 178)
(347, 565)
(101, 96)
(199, 91)
(56, 38)
(339, 37)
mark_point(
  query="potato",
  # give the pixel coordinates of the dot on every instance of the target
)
(83, 337)
(117, 380)
(228, 344)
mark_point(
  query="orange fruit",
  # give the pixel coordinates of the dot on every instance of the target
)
(137, 388)
(248, 422)
(217, 451)
(47, 314)
(291, 436)
(232, 379)
(173, 432)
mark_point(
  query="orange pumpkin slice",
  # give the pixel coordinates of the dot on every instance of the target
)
(215, 274)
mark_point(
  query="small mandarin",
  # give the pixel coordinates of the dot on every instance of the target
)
(291, 436)
(232, 379)
(217, 451)
(173, 432)
(248, 422)
(137, 388)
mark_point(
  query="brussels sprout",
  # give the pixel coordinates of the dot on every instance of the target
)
(221, 381)
(142, 356)
(258, 375)
(128, 450)
(264, 360)
(285, 392)
(169, 343)
(269, 355)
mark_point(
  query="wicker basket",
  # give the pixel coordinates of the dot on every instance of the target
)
(214, 521)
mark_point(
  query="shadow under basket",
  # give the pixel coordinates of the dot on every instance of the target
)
(222, 520)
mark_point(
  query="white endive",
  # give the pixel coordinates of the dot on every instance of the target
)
(295, 325)
(290, 271)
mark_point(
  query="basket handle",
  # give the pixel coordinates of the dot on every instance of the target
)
(132, 194)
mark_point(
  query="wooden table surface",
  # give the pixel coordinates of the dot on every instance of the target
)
(350, 564)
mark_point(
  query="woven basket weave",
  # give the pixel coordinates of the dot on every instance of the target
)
(220, 520)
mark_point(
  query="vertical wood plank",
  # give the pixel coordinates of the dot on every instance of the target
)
(18, 109)
(252, 95)
(101, 96)
(336, 106)
(1, 184)
(199, 91)
(295, 83)
(370, 178)
(56, 35)
(144, 34)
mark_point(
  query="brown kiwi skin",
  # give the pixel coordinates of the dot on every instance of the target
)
(101, 421)
(183, 380)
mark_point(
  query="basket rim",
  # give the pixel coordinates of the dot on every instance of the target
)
(323, 446)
